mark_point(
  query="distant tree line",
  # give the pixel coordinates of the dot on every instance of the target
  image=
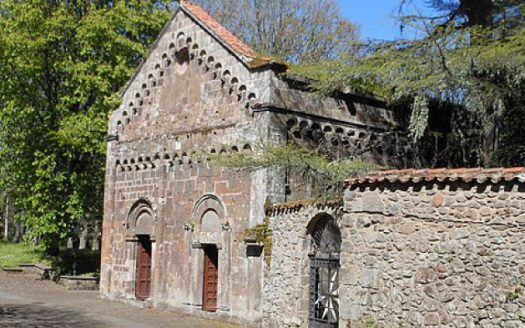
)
(62, 66)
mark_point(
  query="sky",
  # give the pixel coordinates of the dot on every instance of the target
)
(375, 18)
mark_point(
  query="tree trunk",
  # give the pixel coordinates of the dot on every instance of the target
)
(95, 243)
(7, 213)
(19, 232)
(83, 237)
(69, 244)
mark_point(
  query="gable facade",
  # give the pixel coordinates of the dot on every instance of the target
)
(174, 230)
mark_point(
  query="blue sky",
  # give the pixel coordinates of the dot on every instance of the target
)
(375, 18)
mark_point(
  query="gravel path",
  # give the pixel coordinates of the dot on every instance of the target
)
(27, 301)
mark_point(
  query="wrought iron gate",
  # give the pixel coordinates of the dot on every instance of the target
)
(324, 275)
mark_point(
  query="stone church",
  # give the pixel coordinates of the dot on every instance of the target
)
(175, 224)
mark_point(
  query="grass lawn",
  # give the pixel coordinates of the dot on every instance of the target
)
(68, 261)
(12, 254)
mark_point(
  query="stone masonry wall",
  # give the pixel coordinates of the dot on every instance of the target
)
(190, 97)
(448, 255)
(285, 302)
(413, 255)
(194, 95)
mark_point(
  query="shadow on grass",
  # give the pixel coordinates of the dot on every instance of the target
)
(76, 262)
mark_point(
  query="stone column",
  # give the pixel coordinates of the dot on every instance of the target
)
(109, 209)
(225, 276)
(160, 270)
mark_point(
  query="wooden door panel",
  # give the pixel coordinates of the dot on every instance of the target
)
(143, 278)
(211, 278)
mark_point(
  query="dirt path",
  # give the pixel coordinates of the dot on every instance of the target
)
(27, 301)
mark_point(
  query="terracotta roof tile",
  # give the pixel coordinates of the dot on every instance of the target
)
(479, 175)
(220, 31)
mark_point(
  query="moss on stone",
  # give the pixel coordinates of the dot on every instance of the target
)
(261, 234)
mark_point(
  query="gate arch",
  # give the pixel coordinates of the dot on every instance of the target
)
(324, 272)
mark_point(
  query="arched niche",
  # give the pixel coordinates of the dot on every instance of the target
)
(211, 254)
(144, 224)
(141, 220)
(325, 234)
(210, 213)
(210, 221)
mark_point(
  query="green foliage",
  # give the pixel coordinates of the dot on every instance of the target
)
(312, 166)
(62, 66)
(512, 296)
(516, 294)
(480, 68)
(370, 323)
(13, 254)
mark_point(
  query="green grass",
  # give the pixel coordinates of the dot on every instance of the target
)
(68, 261)
(12, 254)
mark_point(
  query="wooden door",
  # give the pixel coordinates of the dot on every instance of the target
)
(143, 277)
(211, 278)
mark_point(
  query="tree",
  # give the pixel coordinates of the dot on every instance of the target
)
(294, 30)
(471, 61)
(314, 169)
(62, 66)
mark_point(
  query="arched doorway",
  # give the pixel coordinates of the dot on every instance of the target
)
(212, 262)
(141, 232)
(324, 272)
(210, 223)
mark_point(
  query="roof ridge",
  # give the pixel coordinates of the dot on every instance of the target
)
(442, 174)
(220, 31)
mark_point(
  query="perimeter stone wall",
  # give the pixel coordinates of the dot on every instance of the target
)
(448, 254)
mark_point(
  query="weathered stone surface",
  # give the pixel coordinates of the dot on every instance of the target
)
(406, 229)
(438, 200)
(446, 254)
(372, 202)
(452, 269)
(431, 319)
(196, 94)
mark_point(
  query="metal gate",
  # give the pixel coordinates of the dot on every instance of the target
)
(324, 275)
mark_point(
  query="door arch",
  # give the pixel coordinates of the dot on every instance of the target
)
(324, 272)
(141, 231)
(212, 238)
